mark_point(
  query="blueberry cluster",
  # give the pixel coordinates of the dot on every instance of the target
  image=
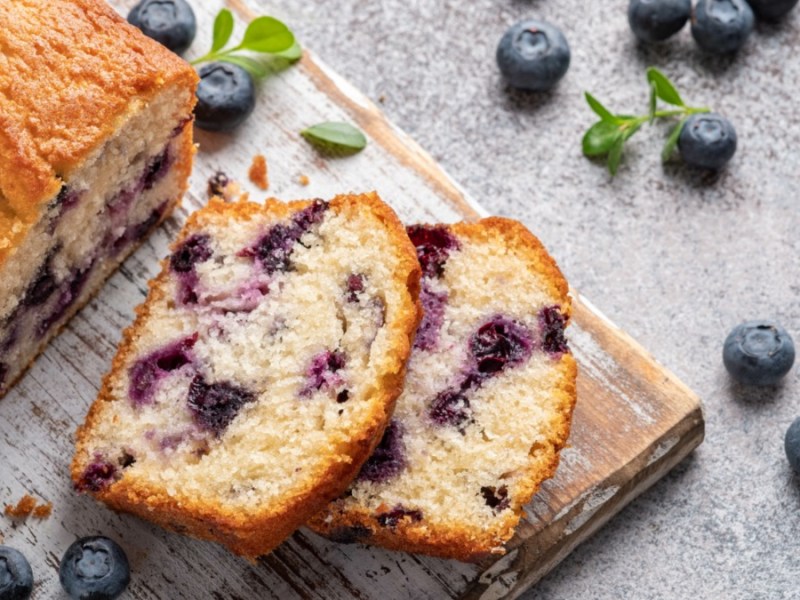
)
(93, 568)
(718, 26)
(761, 353)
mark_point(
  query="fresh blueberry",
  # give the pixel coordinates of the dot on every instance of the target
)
(722, 26)
(170, 22)
(792, 444)
(707, 141)
(16, 576)
(758, 353)
(771, 10)
(226, 96)
(533, 55)
(94, 568)
(657, 20)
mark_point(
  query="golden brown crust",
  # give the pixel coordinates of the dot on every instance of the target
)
(70, 72)
(466, 543)
(252, 534)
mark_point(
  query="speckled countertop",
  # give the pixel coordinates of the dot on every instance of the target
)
(673, 257)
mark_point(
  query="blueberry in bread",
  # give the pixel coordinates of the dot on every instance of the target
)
(95, 150)
(487, 402)
(260, 372)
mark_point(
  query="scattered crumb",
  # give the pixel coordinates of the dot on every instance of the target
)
(23, 509)
(219, 184)
(382, 98)
(304, 180)
(258, 172)
(43, 511)
(28, 506)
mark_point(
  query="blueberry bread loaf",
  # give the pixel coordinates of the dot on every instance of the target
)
(487, 402)
(260, 372)
(95, 150)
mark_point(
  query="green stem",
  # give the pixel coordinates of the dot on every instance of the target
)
(215, 55)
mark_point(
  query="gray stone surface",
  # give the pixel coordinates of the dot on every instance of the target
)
(674, 257)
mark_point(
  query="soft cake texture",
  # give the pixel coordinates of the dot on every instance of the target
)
(95, 150)
(260, 372)
(487, 402)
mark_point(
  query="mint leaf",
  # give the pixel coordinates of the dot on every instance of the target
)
(293, 54)
(672, 141)
(268, 35)
(600, 137)
(663, 87)
(223, 29)
(615, 156)
(251, 65)
(336, 137)
(600, 110)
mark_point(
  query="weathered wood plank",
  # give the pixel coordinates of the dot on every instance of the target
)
(634, 420)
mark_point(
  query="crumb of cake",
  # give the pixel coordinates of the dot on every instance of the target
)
(43, 511)
(382, 98)
(23, 509)
(222, 186)
(217, 184)
(303, 179)
(258, 172)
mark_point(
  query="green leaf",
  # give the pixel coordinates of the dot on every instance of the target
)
(600, 137)
(672, 141)
(223, 29)
(336, 137)
(600, 110)
(268, 35)
(615, 155)
(293, 54)
(664, 88)
(251, 65)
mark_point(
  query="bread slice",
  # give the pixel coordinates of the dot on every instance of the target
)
(487, 403)
(260, 372)
(95, 150)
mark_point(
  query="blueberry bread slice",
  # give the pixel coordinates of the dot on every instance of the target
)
(260, 372)
(95, 150)
(487, 402)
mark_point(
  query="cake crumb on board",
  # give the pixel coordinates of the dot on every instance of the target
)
(303, 179)
(28, 506)
(258, 172)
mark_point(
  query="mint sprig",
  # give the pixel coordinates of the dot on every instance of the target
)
(607, 137)
(264, 35)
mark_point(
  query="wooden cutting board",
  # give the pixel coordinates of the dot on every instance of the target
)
(634, 420)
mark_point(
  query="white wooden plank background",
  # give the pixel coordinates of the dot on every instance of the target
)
(39, 416)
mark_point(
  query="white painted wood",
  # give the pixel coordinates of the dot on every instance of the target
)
(634, 422)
